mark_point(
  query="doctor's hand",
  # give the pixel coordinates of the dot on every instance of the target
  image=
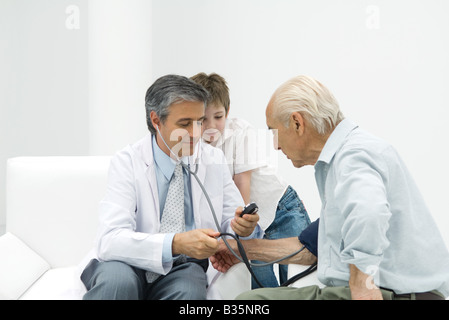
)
(198, 243)
(244, 226)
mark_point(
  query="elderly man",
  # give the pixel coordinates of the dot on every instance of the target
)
(156, 230)
(377, 239)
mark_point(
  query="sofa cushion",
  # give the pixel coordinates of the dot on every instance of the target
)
(229, 285)
(20, 267)
(57, 284)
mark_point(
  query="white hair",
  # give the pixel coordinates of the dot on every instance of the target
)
(311, 99)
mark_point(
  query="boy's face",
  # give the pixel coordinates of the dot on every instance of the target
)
(214, 123)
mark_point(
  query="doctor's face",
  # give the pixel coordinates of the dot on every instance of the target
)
(181, 130)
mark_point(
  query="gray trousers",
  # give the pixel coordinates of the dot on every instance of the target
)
(115, 280)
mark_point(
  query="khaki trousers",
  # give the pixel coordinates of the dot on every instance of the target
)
(327, 293)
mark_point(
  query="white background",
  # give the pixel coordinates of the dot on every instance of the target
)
(80, 91)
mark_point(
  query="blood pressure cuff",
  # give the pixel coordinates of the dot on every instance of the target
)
(309, 237)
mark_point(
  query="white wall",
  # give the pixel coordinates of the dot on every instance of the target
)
(119, 72)
(43, 82)
(81, 91)
(73, 76)
(385, 61)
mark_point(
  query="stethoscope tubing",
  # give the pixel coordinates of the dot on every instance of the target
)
(242, 252)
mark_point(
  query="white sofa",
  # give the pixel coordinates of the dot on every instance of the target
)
(51, 222)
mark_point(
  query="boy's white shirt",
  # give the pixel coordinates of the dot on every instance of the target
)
(241, 144)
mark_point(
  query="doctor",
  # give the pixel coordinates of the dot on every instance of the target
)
(156, 228)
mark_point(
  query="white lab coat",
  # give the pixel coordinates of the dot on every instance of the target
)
(130, 213)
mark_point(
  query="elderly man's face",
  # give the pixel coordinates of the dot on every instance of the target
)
(297, 141)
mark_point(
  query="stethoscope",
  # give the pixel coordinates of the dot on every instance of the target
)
(242, 252)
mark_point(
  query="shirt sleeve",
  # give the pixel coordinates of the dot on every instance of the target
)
(256, 234)
(167, 255)
(362, 200)
(246, 153)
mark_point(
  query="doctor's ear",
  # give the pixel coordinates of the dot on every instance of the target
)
(155, 119)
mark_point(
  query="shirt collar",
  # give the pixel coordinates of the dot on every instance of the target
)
(336, 139)
(228, 132)
(163, 161)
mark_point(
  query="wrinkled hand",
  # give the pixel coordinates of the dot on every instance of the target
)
(198, 243)
(223, 259)
(362, 285)
(244, 226)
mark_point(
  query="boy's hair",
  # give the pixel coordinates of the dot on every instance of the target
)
(216, 86)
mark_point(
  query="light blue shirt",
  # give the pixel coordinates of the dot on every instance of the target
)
(373, 216)
(165, 167)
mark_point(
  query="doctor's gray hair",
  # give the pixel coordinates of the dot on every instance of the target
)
(311, 99)
(168, 90)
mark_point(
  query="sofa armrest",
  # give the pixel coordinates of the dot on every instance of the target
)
(20, 267)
